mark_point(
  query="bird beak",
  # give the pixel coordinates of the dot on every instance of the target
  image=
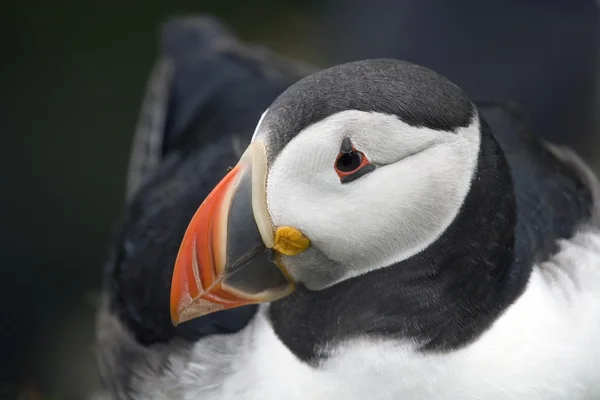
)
(230, 253)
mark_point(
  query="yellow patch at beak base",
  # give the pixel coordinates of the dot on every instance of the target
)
(290, 241)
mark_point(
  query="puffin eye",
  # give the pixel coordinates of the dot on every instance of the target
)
(351, 164)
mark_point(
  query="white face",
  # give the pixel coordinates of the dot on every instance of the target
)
(421, 179)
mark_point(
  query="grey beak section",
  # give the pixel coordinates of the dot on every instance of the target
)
(250, 268)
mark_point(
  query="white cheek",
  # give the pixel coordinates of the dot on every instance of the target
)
(384, 217)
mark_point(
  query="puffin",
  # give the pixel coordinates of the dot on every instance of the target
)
(361, 231)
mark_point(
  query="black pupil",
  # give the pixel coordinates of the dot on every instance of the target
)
(349, 162)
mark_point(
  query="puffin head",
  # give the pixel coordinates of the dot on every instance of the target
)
(353, 169)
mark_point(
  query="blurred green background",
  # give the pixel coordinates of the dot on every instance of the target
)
(72, 77)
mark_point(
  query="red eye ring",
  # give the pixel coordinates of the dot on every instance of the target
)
(349, 163)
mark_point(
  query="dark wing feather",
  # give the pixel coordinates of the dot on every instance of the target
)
(203, 103)
(553, 196)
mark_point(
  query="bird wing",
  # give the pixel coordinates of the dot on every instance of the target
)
(203, 101)
(555, 191)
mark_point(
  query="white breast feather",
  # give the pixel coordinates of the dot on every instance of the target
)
(546, 346)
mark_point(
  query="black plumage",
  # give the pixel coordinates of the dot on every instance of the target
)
(523, 199)
(416, 95)
(217, 90)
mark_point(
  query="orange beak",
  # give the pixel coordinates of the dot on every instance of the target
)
(223, 262)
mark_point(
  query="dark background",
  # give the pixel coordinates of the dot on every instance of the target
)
(72, 76)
